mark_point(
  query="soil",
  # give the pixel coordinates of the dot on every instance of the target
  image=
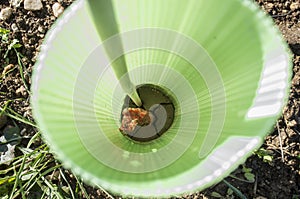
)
(278, 178)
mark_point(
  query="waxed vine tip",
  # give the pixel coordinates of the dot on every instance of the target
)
(220, 74)
(153, 119)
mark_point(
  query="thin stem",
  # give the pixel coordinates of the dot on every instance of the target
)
(280, 142)
(235, 190)
(105, 22)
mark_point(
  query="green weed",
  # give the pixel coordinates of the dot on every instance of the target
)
(265, 155)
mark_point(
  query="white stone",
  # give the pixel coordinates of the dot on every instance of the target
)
(57, 9)
(15, 3)
(33, 4)
(41, 29)
(294, 6)
(21, 91)
(14, 27)
(5, 13)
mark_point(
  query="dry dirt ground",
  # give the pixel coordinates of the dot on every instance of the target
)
(275, 169)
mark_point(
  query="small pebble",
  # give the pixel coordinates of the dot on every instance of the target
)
(40, 36)
(15, 3)
(52, 18)
(14, 27)
(294, 6)
(292, 123)
(33, 4)
(57, 9)
(270, 5)
(21, 91)
(5, 13)
(3, 120)
(41, 29)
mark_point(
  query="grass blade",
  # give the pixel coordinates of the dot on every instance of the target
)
(235, 190)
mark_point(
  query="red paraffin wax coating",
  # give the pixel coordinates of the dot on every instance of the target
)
(133, 117)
